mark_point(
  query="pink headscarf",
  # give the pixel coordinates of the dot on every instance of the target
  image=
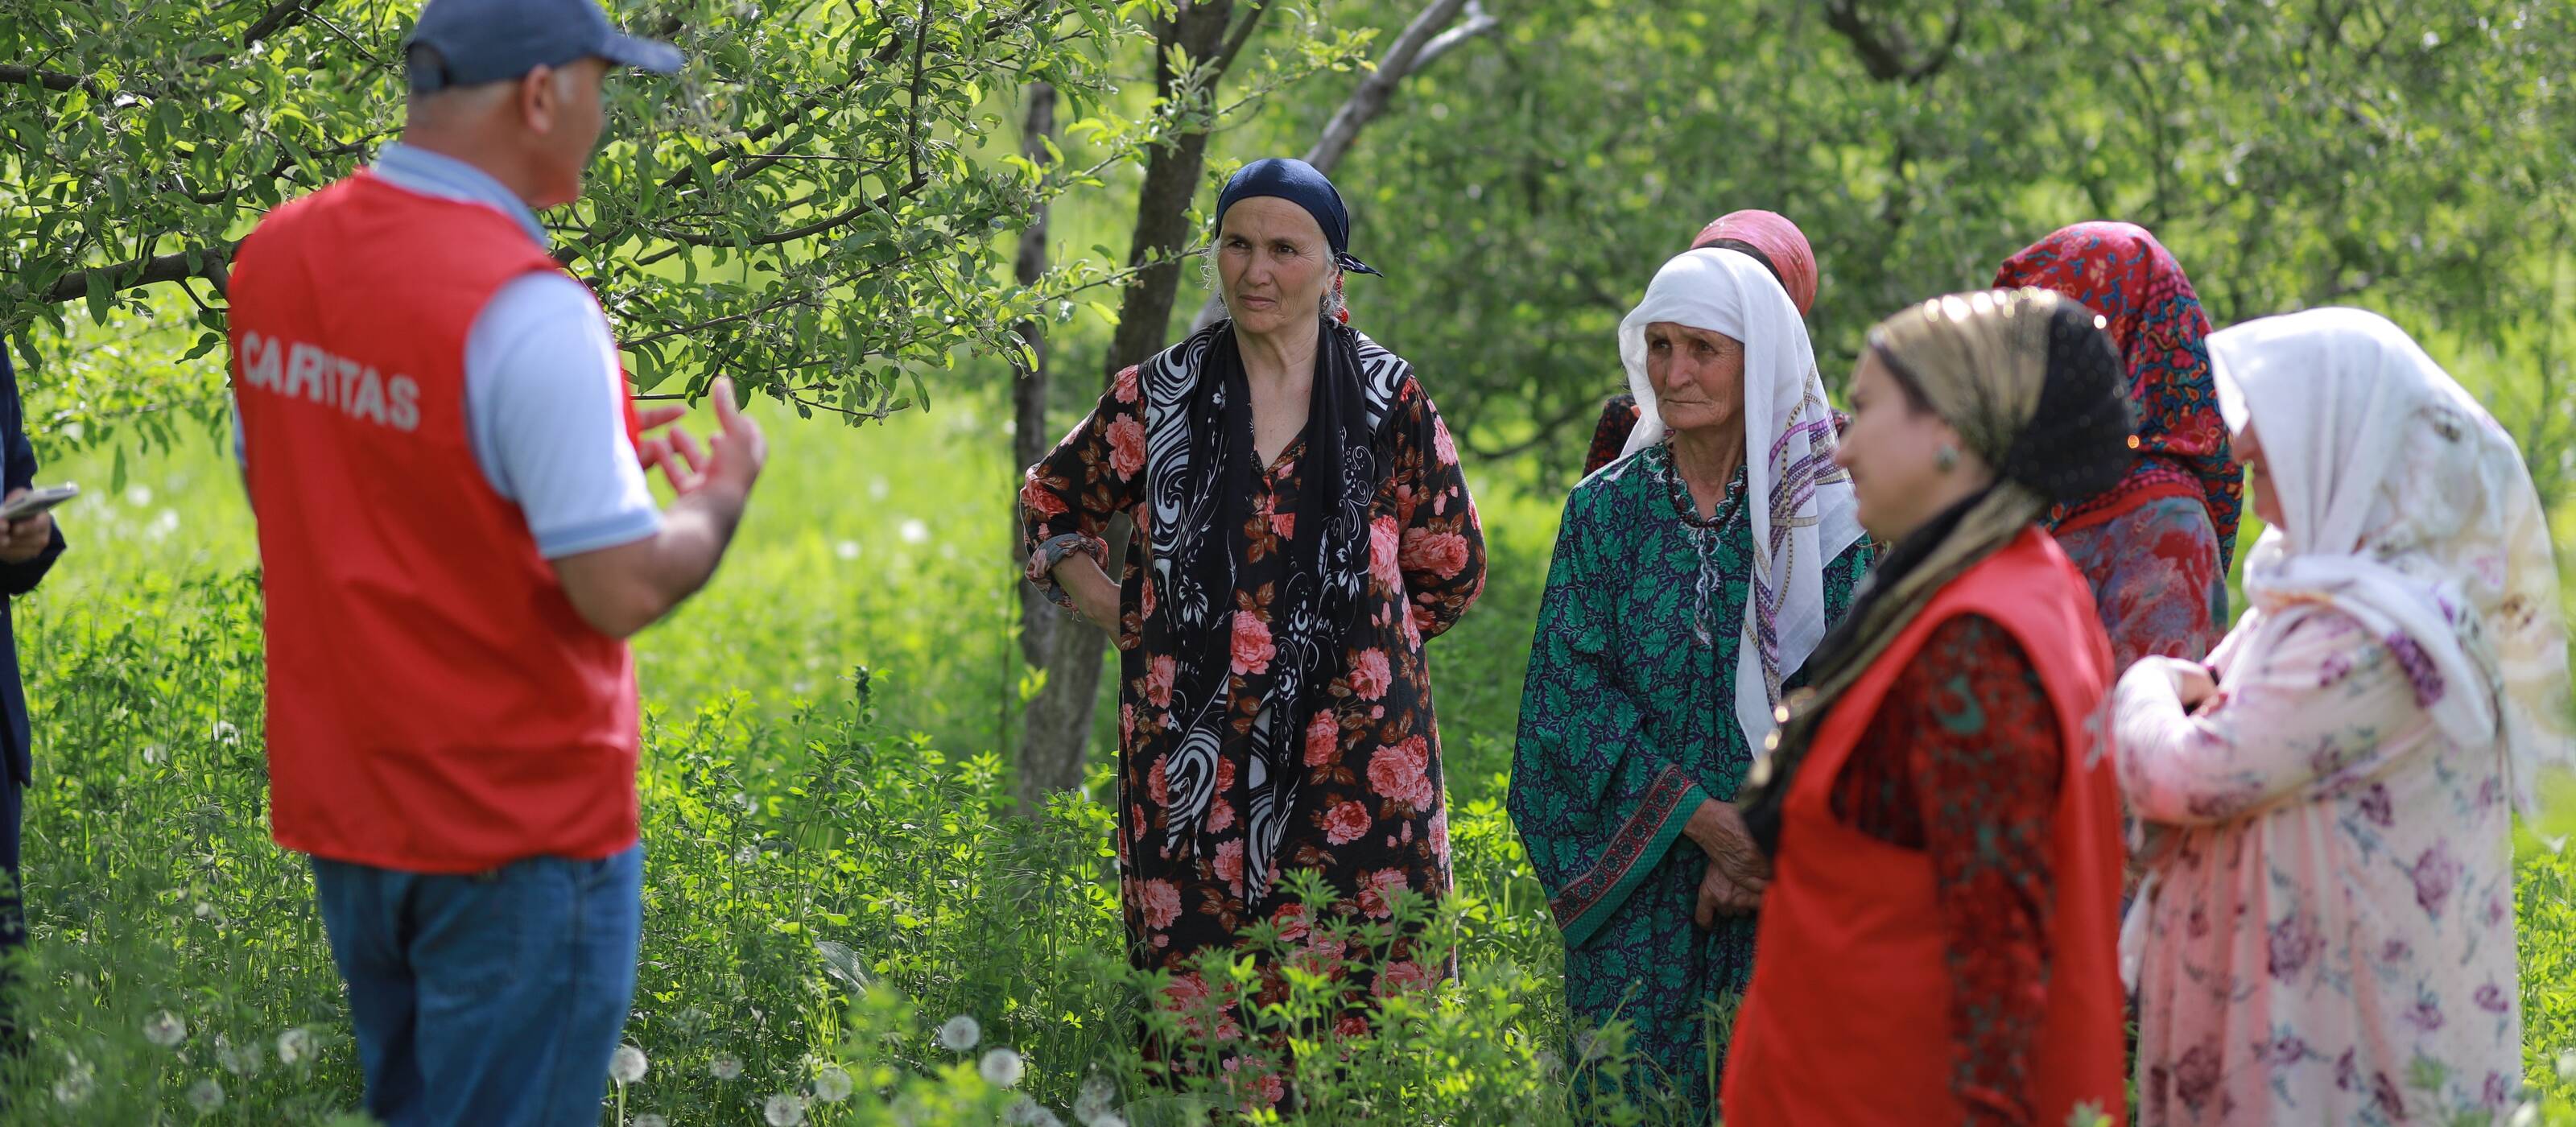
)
(1779, 240)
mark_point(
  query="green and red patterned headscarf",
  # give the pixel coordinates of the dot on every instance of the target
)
(2121, 272)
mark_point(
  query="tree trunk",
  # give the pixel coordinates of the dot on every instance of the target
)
(1049, 639)
(1058, 720)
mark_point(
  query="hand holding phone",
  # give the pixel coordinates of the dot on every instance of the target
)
(27, 522)
(28, 502)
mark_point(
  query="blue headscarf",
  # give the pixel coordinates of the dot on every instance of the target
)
(1302, 184)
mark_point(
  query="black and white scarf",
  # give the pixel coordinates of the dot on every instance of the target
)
(1199, 472)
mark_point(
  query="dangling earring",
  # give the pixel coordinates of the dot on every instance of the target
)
(1946, 459)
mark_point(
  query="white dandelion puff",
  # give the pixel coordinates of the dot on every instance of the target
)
(959, 1033)
(2567, 1066)
(913, 531)
(204, 910)
(225, 733)
(832, 1084)
(726, 1066)
(206, 1095)
(77, 1082)
(627, 1064)
(241, 1060)
(1591, 1046)
(2528, 1115)
(846, 549)
(165, 1029)
(1095, 1100)
(746, 855)
(783, 1110)
(1002, 1068)
(295, 1046)
(1026, 1112)
(649, 1119)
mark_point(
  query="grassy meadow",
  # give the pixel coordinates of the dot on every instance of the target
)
(834, 870)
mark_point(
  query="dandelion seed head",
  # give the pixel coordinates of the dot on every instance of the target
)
(783, 1110)
(832, 1084)
(77, 1082)
(1095, 1099)
(746, 855)
(206, 1095)
(913, 531)
(225, 733)
(2528, 1115)
(165, 1029)
(1002, 1068)
(2567, 1066)
(959, 1033)
(204, 910)
(650, 1119)
(1026, 1112)
(726, 1066)
(295, 1046)
(626, 1065)
(240, 1060)
(846, 549)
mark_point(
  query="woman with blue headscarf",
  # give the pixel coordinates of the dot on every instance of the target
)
(1302, 527)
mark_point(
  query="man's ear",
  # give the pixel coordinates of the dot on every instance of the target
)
(539, 98)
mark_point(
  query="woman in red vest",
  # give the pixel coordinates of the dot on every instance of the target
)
(1938, 938)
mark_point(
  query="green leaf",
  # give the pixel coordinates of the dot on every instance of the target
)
(100, 296)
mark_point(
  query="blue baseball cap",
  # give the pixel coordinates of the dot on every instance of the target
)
(481, 41)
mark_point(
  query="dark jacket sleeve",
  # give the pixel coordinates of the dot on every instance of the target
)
(20, 473)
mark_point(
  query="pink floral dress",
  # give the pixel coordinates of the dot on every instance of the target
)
(2328, 931)
(1371, 816)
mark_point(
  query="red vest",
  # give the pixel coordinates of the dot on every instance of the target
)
(435, 704)
(1847, 1019)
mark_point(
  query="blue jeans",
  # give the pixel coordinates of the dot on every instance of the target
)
(489, 999)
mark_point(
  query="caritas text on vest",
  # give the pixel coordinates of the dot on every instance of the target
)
(358, 390)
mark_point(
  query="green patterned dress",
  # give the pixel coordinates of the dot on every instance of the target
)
(1627, 723)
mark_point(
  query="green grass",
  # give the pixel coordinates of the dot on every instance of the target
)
(833, 867)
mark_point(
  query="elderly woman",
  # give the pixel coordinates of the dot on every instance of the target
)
(1691, 580)
(1302, 528)
(2155, 546)
(1937, 939)
(1768, 238)
(2330, 939)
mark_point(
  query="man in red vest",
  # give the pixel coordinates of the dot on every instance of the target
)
(456, 539)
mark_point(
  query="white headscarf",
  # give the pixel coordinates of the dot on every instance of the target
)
(1801, 503)
(2408, 508)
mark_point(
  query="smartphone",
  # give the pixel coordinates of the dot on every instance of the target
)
(36, 501)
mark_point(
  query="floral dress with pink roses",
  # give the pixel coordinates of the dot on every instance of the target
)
(1371, 814)
(2327, 933)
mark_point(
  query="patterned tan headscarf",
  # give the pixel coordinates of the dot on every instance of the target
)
(2036, 389)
